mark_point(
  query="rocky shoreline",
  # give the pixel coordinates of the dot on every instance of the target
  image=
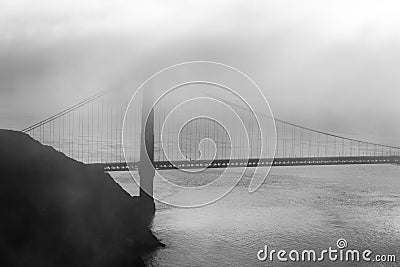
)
(59, 212)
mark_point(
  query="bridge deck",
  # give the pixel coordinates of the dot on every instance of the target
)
(220, 163)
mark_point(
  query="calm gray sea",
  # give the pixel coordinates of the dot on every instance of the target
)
(297, 208)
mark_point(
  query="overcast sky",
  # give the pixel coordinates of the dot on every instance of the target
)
(329, 65)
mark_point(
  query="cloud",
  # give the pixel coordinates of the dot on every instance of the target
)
(330, 65)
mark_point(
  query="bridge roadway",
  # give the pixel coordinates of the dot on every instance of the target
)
(223, 163)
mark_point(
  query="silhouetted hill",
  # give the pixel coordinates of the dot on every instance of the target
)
(59, 212)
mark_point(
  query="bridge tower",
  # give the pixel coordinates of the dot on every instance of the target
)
(146, 164)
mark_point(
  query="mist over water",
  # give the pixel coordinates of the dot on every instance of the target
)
(296, 208)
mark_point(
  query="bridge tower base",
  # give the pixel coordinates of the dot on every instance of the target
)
(146, 165)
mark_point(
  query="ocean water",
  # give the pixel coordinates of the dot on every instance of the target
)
(297, 208)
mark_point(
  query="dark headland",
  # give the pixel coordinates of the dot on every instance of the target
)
(58, 212)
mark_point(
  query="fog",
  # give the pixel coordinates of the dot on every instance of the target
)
(328, 65)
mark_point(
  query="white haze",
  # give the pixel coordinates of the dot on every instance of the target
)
(329, 65)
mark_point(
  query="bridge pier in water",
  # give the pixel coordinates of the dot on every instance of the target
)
(146, 164)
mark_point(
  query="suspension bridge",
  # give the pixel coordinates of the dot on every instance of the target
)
(91, 132)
